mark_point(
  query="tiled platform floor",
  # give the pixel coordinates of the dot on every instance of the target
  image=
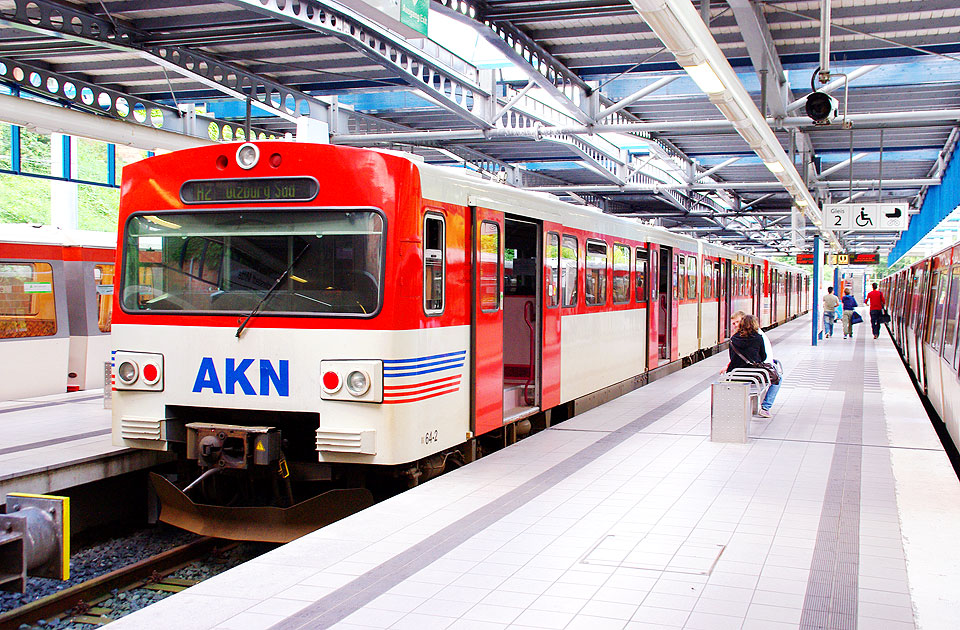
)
(841, 512)
(55, 442)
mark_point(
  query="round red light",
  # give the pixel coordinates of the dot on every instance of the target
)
(331, 381)
(222, 162)
(150, 373)
(275, 160)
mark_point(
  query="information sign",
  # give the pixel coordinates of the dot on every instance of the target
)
(867, 217)
(804, 259)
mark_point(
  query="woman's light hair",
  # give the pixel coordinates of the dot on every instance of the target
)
(748, 326)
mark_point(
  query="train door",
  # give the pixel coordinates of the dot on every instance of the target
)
(726, 308)
(487, 333)
(665, 306)
(755, 290)
(654, 325)
(522, 291)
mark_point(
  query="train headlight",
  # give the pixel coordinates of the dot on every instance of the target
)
(247, 156)
(358, 383)
(127, 371)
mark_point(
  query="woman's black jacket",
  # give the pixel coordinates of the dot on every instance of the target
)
(751, 347)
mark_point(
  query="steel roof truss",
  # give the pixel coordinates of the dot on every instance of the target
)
(460, 93)
(763, 54)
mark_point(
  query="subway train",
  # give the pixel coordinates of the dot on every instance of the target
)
(923, 301)
(56, 298)
(291, 312)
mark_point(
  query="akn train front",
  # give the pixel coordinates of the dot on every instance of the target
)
(303, 312)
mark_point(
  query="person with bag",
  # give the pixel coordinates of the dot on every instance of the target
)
(849, 303)
(830, 304)
(876, 302)
(774, 388)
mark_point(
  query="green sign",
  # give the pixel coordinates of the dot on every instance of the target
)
(414, 13)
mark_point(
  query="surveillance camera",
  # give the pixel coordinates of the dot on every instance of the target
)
(821, 107)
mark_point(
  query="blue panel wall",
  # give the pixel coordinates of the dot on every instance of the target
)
(940, 201)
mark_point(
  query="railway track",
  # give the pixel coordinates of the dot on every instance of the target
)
(81, 602)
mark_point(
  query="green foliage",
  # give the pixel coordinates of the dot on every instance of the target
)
(99, 208)
(24, 199)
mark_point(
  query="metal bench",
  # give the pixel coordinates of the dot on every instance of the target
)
(758, 380)
(734, 398)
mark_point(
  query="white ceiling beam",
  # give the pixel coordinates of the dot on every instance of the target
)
(763, 54)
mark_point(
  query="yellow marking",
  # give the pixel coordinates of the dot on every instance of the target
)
(260, 446)
(65, 503)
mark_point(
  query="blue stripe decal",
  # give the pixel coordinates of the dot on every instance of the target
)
(414, 366)
(427, 358)
(440, 369)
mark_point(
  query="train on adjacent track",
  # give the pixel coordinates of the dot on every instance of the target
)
(923, 301)
(56, 298)
(314, 313)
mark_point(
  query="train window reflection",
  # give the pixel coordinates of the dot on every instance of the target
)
(27, 305)
(596, 273)
(328, 262)
(103, 274)
(489, 271)
(621, 274)
(939, 297)
(434, 256)
(568, 270)
(640, 283)
(551, 258)
(691, 277)
(950, 329)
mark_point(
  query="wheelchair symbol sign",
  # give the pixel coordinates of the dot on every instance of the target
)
(866, 217)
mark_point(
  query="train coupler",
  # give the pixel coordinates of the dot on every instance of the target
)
(34, 540)
(232, 446)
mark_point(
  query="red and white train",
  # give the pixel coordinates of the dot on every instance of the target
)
(308, 306)
(56, 290)
(924, 304)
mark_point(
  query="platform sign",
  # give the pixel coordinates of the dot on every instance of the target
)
(852, 259)
(406, 17)
(838, 216)
(867, 217)
(804, 259)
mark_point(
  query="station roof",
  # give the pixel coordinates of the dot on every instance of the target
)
(576, 97)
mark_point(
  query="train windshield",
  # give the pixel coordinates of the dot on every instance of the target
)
(327, 262)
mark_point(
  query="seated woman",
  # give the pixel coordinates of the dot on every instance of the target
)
(746, 341)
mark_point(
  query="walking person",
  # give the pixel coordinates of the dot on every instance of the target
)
(772, 390)
(849, 303)
(830, 304)
(876, 302)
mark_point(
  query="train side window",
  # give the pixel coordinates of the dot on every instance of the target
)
(682, 282)
(551, 256)
(707, 280)
(596, 276)
(677, 262)
(640, 283)
(27, 305)
(950, 329)
(568, 270)
(434, 263)
(691, 277)
(621, 274)
(939, 287)
(717, 279)
(103, 274)
(489, 268)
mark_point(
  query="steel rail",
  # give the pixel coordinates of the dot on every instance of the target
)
(62, 601)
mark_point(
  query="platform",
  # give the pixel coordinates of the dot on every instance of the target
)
(842, 511)
(52, 443)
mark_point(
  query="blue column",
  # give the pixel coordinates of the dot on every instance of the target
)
(15, 148)
(112, 164)
(836, 282)
(817, 260)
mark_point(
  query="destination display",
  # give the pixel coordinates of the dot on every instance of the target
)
(249, 190)
(841, 259)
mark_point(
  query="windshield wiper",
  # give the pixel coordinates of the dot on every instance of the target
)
(263, 300)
